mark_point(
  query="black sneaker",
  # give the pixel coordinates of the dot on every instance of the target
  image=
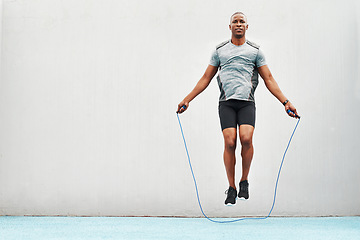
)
(244, 190)
(231, 196)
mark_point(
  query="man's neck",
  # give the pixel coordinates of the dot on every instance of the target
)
(238, 41)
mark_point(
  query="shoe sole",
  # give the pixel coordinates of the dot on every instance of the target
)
(230, 204)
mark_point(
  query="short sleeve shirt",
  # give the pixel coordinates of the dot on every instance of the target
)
(238, 75)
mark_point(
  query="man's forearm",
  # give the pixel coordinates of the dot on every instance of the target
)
(273, 87)
(200, 86)
(275, 90)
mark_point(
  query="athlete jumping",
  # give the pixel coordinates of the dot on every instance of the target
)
(239, 62)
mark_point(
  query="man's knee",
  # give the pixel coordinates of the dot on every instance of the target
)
(246, 135)
(230, 139)
(230, 144)
(246, 140)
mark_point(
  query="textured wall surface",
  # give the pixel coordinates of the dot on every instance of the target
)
(89, 90)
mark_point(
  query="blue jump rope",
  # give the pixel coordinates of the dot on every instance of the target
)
(277, 179)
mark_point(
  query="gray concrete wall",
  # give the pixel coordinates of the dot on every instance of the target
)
(89, 91)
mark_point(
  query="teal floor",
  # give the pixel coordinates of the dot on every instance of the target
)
(177, 228)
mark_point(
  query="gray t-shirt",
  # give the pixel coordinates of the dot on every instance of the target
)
(238, 75)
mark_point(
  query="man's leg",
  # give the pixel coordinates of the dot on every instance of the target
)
(247, 150)
(229, 154)
(228, 120)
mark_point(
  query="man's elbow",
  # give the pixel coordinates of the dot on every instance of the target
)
(269, 78)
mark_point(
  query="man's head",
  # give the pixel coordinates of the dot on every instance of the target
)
(238, 24)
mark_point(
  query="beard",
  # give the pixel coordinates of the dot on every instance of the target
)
(238, 36)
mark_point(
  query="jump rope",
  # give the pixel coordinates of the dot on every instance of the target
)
(277, 179)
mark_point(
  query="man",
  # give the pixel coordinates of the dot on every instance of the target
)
(239, 61)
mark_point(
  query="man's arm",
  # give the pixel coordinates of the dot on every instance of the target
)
(200, 86)
(273, 87)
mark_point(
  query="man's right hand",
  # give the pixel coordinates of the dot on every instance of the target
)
(182, 107)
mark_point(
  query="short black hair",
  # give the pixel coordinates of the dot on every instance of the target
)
(237, 13)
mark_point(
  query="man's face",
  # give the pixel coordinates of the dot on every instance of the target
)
(238, 25)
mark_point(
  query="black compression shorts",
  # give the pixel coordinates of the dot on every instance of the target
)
(234, 113)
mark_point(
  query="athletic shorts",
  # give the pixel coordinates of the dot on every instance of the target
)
(234, 113)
